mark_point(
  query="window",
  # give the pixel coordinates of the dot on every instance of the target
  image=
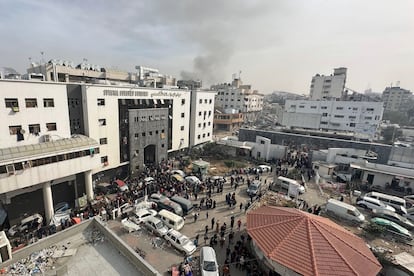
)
(104, 159)
(34, 129)
(162, 145)
(201, 101)
(293, 106)
(324, 107)
(204, 135)
(150, 133)
(301, 106)
(352, 117)
(162, 131)
(208, 134)
(368, 118)
(210, 101)
(51, 126)
(14, 129)
(48, 102)
(324, 114)
(370, 109)
(101, 101)
(313, 107)
(182, 101)
(102, 122)
(11, 102)
(182, 128)
(143, 134)
(198, 137)
(262, 142)
(103, 141)
(32, 102)
(209, 123)
(355, 108)
(324, 123)
(136, 135)
(199, 113)
(182, 115)
(339, 116)
(339, 108)
(209, 113)
(199, 125)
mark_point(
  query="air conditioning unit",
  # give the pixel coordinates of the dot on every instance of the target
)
(10, 169)
(47, 138)
(15, 109)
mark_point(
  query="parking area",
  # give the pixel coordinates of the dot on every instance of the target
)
(163, 256)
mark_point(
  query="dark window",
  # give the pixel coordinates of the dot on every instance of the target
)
(324, 114)
(201, 101)
(339, 108)
(182, 115)
(352, 124)
(143, 134)
(104, 159)
(34, 129)
(210, 101)
(182, 101)
(199, 136)
(162, 145)
(32, 102)
(182, 127)
(102, 122)
(51, 126)
(14, 129)
(11, 102)
(101, 101)
(199, 113)
(150, 133)
(48, 102)
(103, 141)
(136, 135)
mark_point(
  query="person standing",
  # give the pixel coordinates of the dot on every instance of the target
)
(206, 229)
(206, 214)
(232, 222)
(241, 206)
(212, 223)
(239, 224)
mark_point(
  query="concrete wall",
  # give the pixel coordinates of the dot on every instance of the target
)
(118, 243)
(126, 250)
(315, 142)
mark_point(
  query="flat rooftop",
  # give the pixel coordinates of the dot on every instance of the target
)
(84, 249)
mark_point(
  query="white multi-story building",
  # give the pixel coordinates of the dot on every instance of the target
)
(328, 87)
(240, 97)
(63, 137)
(202, 117)
(37, 150)
(396, 99)
(361, 118)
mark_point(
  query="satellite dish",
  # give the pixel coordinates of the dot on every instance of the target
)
(22, 131)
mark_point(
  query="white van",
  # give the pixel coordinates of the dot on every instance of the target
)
(171, 220)
(394, 201)
(343, 210)
(208, 262)
(291, 185)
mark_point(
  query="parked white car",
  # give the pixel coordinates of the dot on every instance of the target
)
(180, 242)
(141, 215)
(156, 226)
(372, 203)
(264, 168)
(130, 226)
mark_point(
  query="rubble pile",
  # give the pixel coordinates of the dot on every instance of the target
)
(95, 236)
(37, 263)
(272, 199)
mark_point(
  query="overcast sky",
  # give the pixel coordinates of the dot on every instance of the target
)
(277, 45)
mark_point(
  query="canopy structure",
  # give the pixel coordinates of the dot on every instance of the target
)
(308, 244)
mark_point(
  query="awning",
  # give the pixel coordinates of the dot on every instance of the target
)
(120, 183)
(178, 177)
